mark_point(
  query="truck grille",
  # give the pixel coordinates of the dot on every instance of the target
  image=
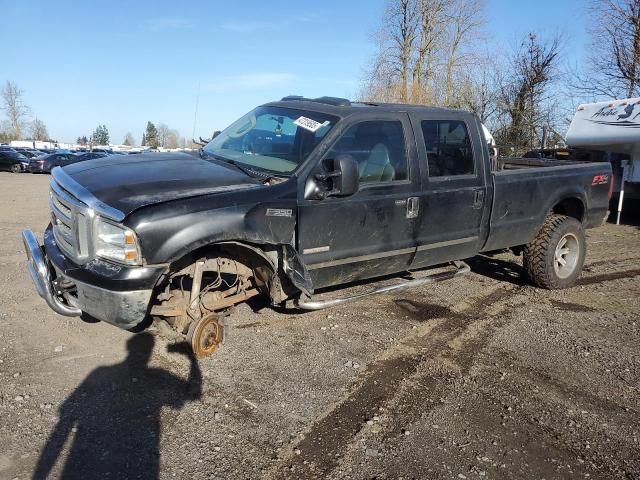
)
(69, 221)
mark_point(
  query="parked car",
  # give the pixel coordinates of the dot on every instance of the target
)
(12, 161)
(44, 163)
(6, 148)
(297, 196)
(29, 153)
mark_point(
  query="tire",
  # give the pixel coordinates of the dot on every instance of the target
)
(561, 239)
(16, 168)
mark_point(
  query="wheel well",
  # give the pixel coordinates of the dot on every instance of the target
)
(263, 262)
(571, 207)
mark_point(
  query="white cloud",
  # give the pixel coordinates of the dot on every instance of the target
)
(250, 81)
(169, 23)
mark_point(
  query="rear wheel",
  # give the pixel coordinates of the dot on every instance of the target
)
(555, 257)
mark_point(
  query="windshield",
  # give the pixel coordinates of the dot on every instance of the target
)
(273, 139)
(16, 155)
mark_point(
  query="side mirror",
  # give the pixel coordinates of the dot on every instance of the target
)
(338, 177)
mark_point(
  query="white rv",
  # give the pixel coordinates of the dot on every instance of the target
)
(612, 127)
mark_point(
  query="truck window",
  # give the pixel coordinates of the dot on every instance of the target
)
(448, 147)
(379, 149)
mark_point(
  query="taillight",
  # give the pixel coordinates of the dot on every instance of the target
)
(611, 187)
(41, 162)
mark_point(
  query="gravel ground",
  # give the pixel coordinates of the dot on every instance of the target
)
(481, 377)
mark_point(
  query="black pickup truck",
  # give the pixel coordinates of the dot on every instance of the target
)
(296, 196)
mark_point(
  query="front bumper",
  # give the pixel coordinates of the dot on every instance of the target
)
(64, 290)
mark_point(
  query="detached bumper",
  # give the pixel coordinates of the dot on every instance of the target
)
(67, 295)
(41, 276)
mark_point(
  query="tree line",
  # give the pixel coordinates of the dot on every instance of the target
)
(440, 53)
(18, 125)
(153, 137)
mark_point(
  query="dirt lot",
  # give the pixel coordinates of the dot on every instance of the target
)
(482, 377)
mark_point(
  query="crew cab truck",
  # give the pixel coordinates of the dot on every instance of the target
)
(296, 196)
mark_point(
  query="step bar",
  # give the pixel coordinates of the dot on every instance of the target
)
(310, 304)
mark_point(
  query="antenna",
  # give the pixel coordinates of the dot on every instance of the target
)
(195, 114)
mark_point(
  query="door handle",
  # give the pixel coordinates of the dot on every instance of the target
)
(478, 199)
(413, 207)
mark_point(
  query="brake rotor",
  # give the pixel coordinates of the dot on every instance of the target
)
(206, 335)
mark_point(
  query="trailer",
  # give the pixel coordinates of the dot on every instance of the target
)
(612, 127)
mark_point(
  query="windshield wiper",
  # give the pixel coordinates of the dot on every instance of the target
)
(257, 173)
(244, 170)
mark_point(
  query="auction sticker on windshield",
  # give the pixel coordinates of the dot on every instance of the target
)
(308, 124)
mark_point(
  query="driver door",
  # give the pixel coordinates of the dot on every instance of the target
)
(370, 233)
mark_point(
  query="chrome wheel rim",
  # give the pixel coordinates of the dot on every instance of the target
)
(566, 255)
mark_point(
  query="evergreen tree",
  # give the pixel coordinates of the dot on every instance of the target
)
(151, 136)
(83, 140)
(128, 139)
(144, 140)
(100, 135)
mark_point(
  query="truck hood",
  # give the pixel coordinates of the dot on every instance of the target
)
(131, 182)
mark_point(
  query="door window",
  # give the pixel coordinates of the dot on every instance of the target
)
(448, 147)
(379, 149)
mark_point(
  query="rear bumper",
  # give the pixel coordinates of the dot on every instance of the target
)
(64, 290)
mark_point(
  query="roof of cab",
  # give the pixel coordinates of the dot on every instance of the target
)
(343, 107)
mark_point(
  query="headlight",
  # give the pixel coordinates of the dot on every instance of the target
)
(117, 243)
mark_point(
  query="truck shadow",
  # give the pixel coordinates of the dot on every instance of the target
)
(112, 420)
(497, 269)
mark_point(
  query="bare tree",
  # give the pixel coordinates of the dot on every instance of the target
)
(15, 108)
(129, 140)
(524, 98)
(39, 130)
(465, 18)
(612, 67)
(173, 139)
(424, 46)
(163, 134)
(389, 74)
(432, 30)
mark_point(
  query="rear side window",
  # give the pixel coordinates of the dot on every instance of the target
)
(379, 149)
(448, 146)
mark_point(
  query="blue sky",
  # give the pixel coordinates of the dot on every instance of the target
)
(123, 63)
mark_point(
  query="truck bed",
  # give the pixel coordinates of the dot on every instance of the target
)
(526, 190)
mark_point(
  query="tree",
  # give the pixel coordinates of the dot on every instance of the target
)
(465, 18)
(39, 130)
(173, 139)
(426, 48)
(151, 136)
(128, 140)
(100, 135)
(612, 67)
(163, 134)
(524, 103)
(83, 140)
(16, 109)
(144, 140)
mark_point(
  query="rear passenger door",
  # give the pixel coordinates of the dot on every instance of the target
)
(454, 189)
(371, 232)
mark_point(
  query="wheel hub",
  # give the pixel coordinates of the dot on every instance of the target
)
(566, 255)
(205, 335)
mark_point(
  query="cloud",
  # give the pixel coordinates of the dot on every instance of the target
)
(169, 23)
(250, 81)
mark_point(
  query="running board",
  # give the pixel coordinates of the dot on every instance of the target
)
(310, 304)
